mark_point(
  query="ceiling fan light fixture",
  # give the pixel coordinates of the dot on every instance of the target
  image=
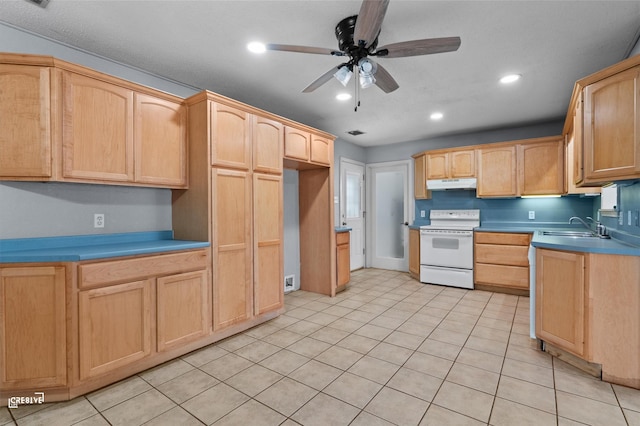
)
(343, 75)
(256, 47)
(366, 70)
(510, 78)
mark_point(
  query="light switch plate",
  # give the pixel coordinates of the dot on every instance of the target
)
(532, 214)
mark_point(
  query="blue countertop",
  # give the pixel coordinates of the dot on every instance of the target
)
(75, 248)
(586, 245)
(342, 229)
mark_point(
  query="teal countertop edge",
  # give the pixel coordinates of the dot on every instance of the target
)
(75, 248)
(342, 229)
(585, 245)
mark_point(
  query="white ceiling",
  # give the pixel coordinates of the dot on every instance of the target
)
(203, 44)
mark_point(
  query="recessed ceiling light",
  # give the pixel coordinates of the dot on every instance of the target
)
(343, 96)
(436, 116)
(256, 47)
(511, 78)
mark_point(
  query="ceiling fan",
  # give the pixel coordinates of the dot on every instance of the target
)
(358, 40)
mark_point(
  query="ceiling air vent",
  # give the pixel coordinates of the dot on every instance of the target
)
(41, 3)
(356, 133)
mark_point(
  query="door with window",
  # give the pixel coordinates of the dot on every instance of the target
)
(388, 222)
(352, 208)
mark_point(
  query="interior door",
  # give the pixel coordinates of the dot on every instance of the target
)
(352, 208)
(387, 201)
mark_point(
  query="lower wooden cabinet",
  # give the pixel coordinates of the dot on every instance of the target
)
(414, 253)
(182, 309)
(560, 299)
(501, 260)
(114, 327)
(32, 305)
(343, 258)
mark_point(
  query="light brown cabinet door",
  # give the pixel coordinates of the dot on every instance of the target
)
(420, 178)
(268, 145)
(25, 126)
(182, 309)
(230, 137)
(97, 130)
(462, 164)
(560, 299)
(343, 262)
(578, 142)
(611, 120)
(414, 251)
(541, 168)
(32, 327)
(231, 247)
(160, 142)
(321, 150)
(497, 172)
(296, 144)
(114, 327)
(268, 248)
(438, 166)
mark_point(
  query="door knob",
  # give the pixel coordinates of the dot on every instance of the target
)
(344, 223)
(405, 224)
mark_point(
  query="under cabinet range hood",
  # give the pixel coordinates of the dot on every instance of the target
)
(449, 184)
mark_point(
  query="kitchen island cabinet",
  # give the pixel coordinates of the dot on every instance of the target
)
(587, 304)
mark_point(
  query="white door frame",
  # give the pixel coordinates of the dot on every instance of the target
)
(408, 201)
(343, 203)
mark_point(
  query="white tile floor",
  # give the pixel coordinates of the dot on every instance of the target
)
(388, 350)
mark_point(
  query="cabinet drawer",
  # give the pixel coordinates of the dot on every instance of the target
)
(115, 271)
(506, 238)
(502, 254)
(502, 275)
(342, 238)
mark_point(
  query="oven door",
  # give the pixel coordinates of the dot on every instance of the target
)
(447, 248)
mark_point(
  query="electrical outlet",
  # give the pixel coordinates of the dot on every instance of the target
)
(620, 218)
(532, 214)
(98, 220)
(422, 213)
(629, 217)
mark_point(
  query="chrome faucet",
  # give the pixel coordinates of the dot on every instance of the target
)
(586, 225)
(601, 230)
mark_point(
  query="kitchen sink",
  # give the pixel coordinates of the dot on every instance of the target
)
(575, 234)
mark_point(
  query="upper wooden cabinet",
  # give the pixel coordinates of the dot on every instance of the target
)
(420, 177)
(268, 142)
(230, 137)
(541, 168)
(297, 144)
(497, 172)
(160, 141)
(305, 149)
(612, 128)
(25, 127)
(321, 152)
(451, 164)
(97, 129)
(70, 123)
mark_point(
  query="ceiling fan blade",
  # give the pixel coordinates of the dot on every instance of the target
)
(384, 79)
(321, 80)
(303, 49)
(369, 21)
(419, 47)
